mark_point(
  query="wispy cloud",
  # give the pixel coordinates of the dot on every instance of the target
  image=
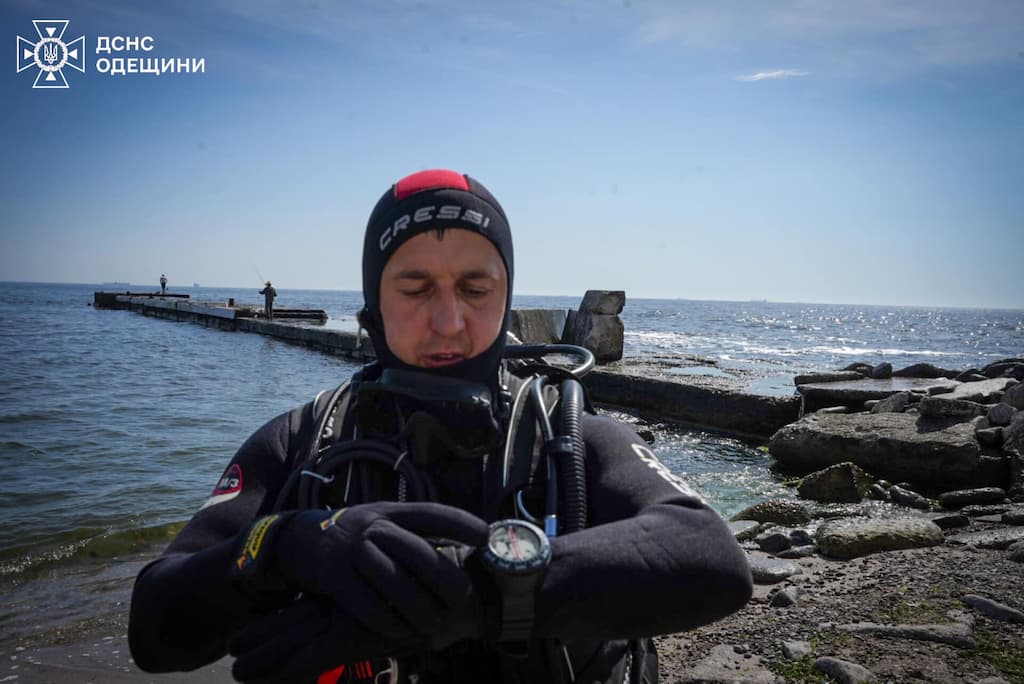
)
(778, 74)
(868, 37)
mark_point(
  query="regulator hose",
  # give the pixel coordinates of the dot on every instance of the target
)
(572, 474)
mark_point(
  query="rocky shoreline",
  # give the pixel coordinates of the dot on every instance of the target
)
(949, 612)
(863, 580)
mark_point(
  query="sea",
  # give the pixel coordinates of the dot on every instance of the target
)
(115, 427)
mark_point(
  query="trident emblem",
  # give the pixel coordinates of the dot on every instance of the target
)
(50, 54)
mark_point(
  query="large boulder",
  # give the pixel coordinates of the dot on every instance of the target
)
(776, 511)
(597, 326)
(983, 391)
(538, 326)
(854, 393)
(607, 302)
(896, 446)
(924, 370)
(855, 537)
(1005, 367)
(841, 483)
(947, 407)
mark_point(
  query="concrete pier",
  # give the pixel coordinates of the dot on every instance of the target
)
(718, 405)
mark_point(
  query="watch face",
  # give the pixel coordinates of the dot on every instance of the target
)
(517, 547)
(514, 542)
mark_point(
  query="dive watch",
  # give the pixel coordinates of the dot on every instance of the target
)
(516, 556)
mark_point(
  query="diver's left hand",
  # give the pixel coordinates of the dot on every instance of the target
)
(306, 639)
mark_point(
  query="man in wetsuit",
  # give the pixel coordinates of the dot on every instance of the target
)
(163, 283)
(456, 588)
(269, 293)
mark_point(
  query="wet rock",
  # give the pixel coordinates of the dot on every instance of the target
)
(992, 436)
(776, 511)
(843, 671)
(1000, 414)
(882, 371)
(908, 497)
(743, 530)
(834, 409)
(646, 434)
(977, 496)
(984, 392)
(939, 454)
(1015, 552)
(800, 537)
(862, 536)
(896, 403)
(974, 511)
(1012, 518)
(765, 570)
(785, 597)
(811, 378)
(773, 541)
(969, 375)
(944, 407)
(878, 492)
(855, 392)
(949, 521)
(802, 551)
(989, 539)
(843, 482)
(924, 370)
(1004, 366)
(1014, 396)
(993, 609)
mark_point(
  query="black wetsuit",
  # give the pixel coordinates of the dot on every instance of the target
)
(655, 559)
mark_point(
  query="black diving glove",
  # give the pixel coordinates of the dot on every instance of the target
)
(371, 561)
(306, 639)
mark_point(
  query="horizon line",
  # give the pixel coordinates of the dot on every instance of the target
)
(752, 300)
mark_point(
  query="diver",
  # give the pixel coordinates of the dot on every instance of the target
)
(454, 512)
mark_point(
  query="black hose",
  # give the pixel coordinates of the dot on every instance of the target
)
(537, 351)
(572, 474)
(335, 464)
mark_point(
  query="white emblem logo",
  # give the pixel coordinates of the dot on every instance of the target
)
(51, 54)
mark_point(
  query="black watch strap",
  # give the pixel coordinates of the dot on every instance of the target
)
(517, 616)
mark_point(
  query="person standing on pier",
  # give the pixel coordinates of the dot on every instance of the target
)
(269, 293)
(163, 284)
(390, 530)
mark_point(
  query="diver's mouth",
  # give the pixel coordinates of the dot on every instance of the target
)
(443, 359)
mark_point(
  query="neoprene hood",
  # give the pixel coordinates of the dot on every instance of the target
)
(433, 200)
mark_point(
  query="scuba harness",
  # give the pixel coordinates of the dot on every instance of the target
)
(400, 420)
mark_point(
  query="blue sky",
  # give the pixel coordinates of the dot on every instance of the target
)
(867, 152)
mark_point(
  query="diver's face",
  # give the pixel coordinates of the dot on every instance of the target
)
(443, 298)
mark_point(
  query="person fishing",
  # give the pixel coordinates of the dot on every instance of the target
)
(269, 293)
(454, 512)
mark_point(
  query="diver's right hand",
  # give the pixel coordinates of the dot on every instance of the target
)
(370, 560)
(306, 639)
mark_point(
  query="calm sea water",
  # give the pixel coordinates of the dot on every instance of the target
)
(114, 427)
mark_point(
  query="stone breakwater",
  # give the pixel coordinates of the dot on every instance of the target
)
(933, 428)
